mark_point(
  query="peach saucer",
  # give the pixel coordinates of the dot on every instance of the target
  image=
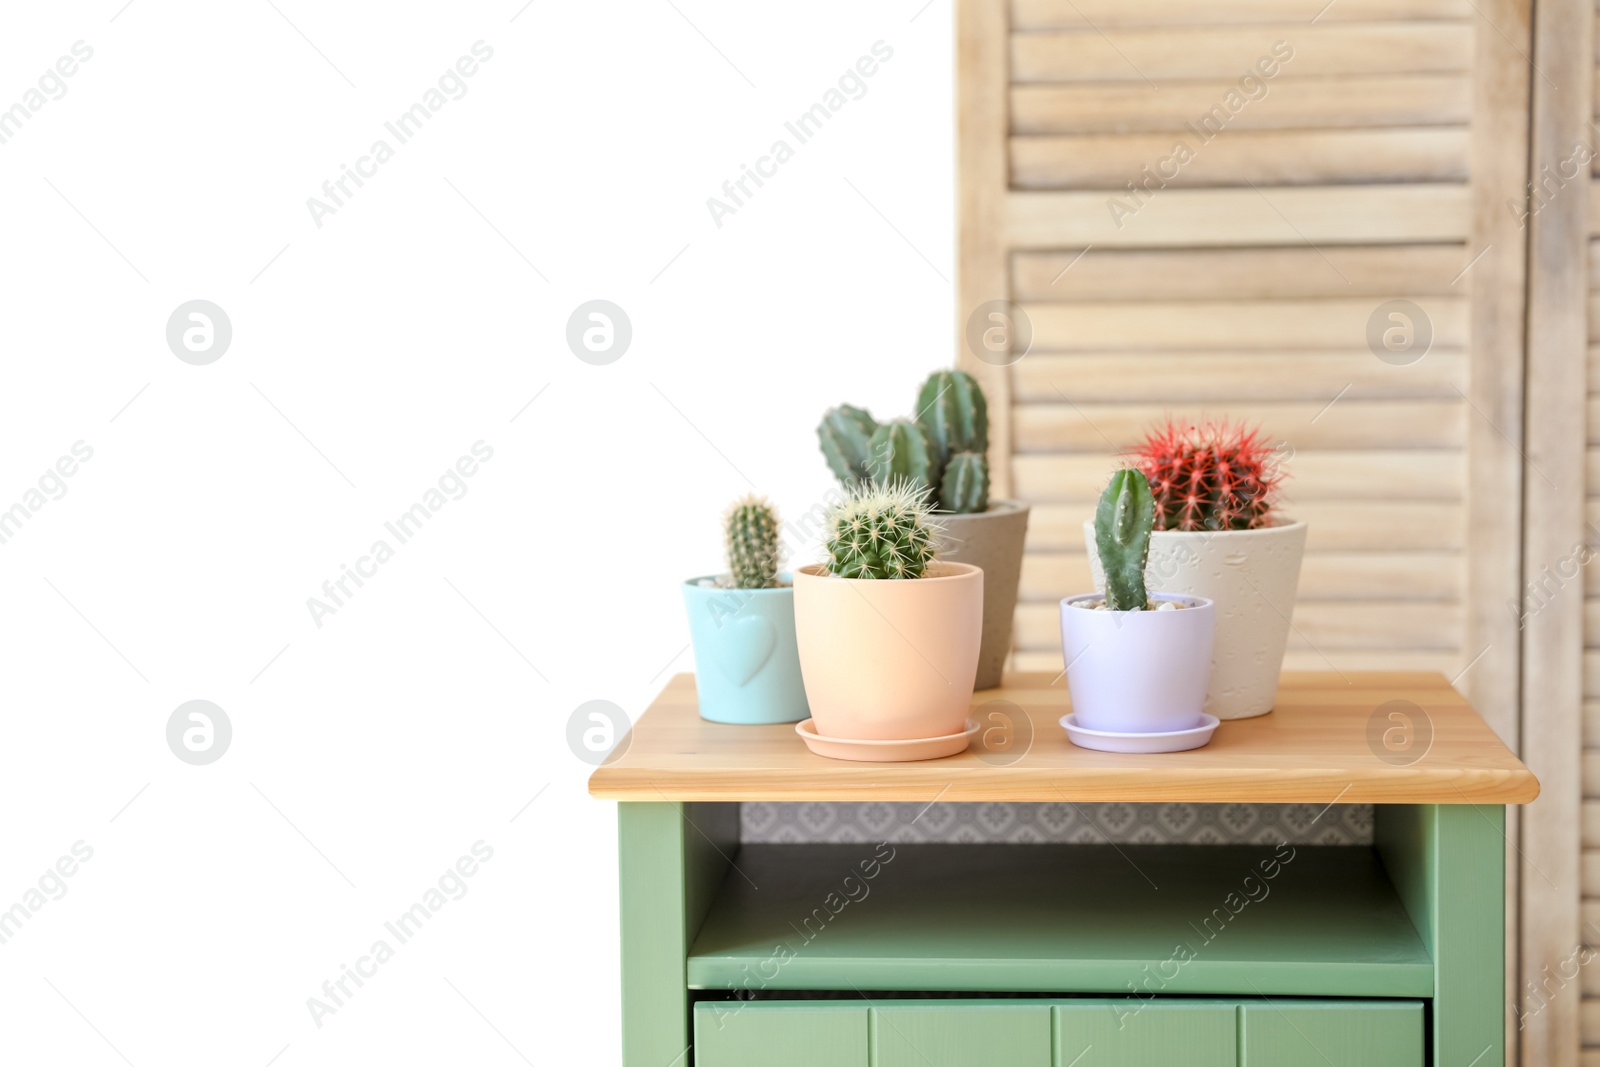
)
(918, 748)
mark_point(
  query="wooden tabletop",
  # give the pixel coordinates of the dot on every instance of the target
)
(1324, 742)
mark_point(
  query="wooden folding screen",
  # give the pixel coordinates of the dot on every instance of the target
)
(1561, 634)
(1335, 158)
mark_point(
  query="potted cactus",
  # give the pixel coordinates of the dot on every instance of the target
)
(943, 453)
(747, 666)
(1218, 535)
(1137, 663)
(888, 632)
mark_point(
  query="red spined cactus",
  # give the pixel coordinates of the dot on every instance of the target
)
(1209, 476)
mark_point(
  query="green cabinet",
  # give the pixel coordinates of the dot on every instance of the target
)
(1088, 1032)
(1245, 955)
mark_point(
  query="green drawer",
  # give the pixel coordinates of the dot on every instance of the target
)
(1287, 1033)
(957, 1034)
(1059, 1033)
(1122, 1033)
(795, 1034)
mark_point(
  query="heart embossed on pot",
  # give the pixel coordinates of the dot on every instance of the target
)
(743, 647)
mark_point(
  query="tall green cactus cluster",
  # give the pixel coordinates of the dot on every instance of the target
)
(942, 453)
(964, 489)
(953, 412)
(846, 437)
(881, 531)
(1122, 523)
(901, 452)
(750, 530)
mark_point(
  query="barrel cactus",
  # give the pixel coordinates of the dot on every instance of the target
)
(750, 531)
(901, 452)
(881, 532)
(964, 488)
(1122, 524)
(1209, 476)
(845, 434)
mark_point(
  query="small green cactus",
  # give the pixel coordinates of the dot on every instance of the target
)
(964, 489)
(901, 452)
(750, 527)
(953, 413)
(845, 434)
(1122, 525)
(881, 532)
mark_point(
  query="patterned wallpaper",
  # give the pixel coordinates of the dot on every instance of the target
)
(1140, 824)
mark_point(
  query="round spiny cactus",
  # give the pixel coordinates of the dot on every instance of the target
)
(750, 526)
(1210, 476)
(882, 532)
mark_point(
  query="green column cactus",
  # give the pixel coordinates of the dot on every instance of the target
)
(881, 532)
(952, 411)
(964, 488)
(901, 452)
(750, 528)
(845, 434)
(1122, 524)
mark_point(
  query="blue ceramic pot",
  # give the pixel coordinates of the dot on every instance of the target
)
(746, 663)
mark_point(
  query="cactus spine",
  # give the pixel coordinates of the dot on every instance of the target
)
(879, 532)
(1122, 524)
(953, 413)
(964, 489)
(750, 529)
(900, 452)
(845, 434)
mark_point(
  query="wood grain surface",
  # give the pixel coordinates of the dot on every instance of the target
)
(1314, 748)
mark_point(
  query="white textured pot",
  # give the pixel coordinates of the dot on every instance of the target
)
(1137, 672)
(1252, 576)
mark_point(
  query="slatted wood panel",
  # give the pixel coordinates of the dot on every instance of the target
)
(1350, 102)
(1556, 282)
(1332, 171)
(1334, 157)
(1561, 686)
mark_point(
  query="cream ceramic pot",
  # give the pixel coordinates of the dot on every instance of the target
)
(889, 659)
(1252, 576)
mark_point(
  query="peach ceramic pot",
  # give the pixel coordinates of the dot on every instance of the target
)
(889, 659)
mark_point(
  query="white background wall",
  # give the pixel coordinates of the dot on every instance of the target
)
(375, 750)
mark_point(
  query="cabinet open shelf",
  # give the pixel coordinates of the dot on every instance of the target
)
(1176, 919)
